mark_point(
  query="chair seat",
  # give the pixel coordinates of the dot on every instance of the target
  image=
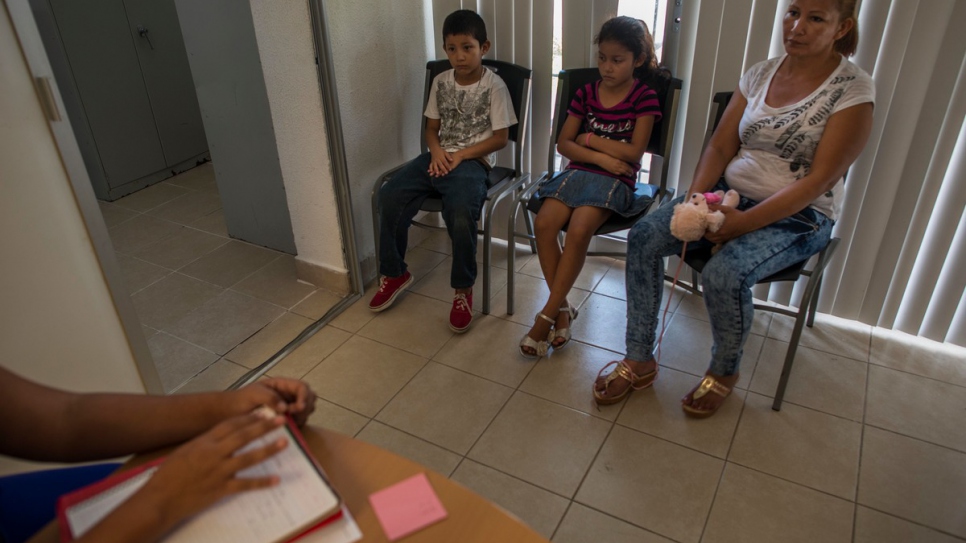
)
(616, 222)
(698, 258)
(497, 175)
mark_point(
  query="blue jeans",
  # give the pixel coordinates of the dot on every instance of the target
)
(463, 191)
(727, 278)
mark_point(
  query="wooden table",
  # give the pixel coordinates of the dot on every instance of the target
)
(357, 469)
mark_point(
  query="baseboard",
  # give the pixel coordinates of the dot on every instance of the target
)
(323, 277)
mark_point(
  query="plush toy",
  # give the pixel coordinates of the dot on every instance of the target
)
(692, 218)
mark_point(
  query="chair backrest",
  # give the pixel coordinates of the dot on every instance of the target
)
(718, 105)
(517, 80)
(662, 135)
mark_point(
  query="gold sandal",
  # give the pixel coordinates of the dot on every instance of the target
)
(622, 371)
(540, 347)
(708, 384)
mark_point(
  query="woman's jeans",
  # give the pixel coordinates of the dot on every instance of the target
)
(727, 278)
(463, 191)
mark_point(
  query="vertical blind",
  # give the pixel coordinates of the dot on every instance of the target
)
(902, 261)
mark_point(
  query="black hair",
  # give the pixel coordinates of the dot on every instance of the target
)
(635, 37)
(465, 22)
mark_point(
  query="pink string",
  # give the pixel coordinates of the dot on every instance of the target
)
(667, 306)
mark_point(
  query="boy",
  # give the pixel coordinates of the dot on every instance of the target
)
(468, 114)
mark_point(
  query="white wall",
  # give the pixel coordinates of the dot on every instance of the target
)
(379, 50)
(286, 46)
(58, 323)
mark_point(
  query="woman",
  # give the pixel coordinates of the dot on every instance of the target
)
(793, 127)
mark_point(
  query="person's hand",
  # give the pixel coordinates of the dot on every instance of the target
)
(203, 470)
(453, 160)
(733, 226)
(439, 163)
(615, 166)
(285, 396)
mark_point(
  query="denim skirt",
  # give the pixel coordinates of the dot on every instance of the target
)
(577, 188)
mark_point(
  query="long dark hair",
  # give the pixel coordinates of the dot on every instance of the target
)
(634, 35)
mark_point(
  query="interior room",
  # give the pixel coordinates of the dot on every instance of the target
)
(229, 237)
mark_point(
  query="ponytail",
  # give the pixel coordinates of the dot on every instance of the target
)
(847, 44)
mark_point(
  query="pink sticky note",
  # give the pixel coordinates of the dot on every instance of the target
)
(407, 506)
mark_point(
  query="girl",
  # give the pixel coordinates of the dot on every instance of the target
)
(606, 132)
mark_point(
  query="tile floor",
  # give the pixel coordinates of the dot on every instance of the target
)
(870, 444)
(211, 307)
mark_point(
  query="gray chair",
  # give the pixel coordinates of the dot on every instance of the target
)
(501, 182)
(804, 315)
(662, 136)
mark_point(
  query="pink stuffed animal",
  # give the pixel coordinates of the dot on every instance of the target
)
(692, 218)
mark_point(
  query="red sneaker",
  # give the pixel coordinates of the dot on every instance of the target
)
(389, 289)
(461, 315)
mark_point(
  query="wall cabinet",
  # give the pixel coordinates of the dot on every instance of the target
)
(123, 71)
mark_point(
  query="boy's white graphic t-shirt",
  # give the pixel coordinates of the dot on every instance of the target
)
(468, 114)
(778, 144)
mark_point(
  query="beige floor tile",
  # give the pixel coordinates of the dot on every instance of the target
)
(651, 483)
(363, 375)
(692, 305)
(917, 407)
(180, 249)
(582, 524)
(420, 261)
(176, 360)
(436, 240)
(151, 197)
(566, 377)
(537, 508)
(542, 443)
(308, 355)
(317, 304)
(199, 178)
(822, 381)
(422, 452)
(336, 418)
(230, 263)
(114, 215)
(875, 527)
(801, 445)
(446, 407)
(436, 283)
(140, 231)
(498, 254)
(276, 283)
(899, 351)
(753, 507)
(657, 411)
(488, 350)
(268, 341)
(218, 376)
(914, 480)
(416, 324)
(148, 332)
(530, 295)
(213, 223)
(595, 268)
(834, 335)
(187, 208)
(225, 321)
(138, 273)
(601, 323)
(687, 347)
(357, 315)
(167, 301)
(614, 283)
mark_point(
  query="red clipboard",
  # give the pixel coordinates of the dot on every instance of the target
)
(117, 481)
